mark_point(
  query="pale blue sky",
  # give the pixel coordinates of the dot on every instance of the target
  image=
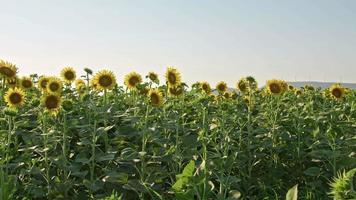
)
(206, 39)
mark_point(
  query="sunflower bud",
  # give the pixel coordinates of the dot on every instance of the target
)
(10, 112)
(67, 105)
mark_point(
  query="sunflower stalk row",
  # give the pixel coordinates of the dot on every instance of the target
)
(64, 137)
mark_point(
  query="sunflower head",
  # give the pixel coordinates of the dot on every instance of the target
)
(79, 82)
(7, 69)
(26, 83)
(173, 77)
(242, 85)
(153, 77)
(68, 74)
(227, 95)
(52, 103)
(337, 91)
(205, 86)
(15, 97)
(275, 87)
(54, 85)
(144, 90)
(42, 83)
(155, 97)
(13, 82)
(298, 92)
(221, 87)
(104, 80)
(132, 80)
(252, 82)
(176, 91)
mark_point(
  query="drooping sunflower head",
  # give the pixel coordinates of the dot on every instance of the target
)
(26, 83)
(54, 85)
(173, 77)
(15, 97)
(274, 87)
(42, 83)
(337, 91)
(68, 74)
(52, 103)
(298, 92)
(290, 87)
(155, 96)
(205, 86)
(7, 69)
(104, 80)
(242, 85)
(252, 82)
(227, 95)
(132, 80)
(153, 76)
(176, 91)
(221, 87)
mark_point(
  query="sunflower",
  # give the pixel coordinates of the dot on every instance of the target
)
(274, 87)
(155, 97)
(144, 91)
(132, 80)
(52, 103)
(153, 77)
(7, 70)
(221, 87)
(205, 86)
(68, 74)
(175, 91)
(337, 91)
(173, 77)
(252, 83)
(104, 80)
(26, 83)
(80, 86)
(227, 95)
(42, 83)
(298, 92)
(79, 82)
(13, 82)
(15, 97)
(242, 85)
(54, 85)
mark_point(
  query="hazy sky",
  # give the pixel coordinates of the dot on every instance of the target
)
(206, 39)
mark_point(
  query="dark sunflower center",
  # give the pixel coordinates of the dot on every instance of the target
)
(172, 78)
(44, 83)
(275, 88)
(69, 75)
(51, 102)
(242, 86)
(133, 81)
(154, 98)
(153, 77)
(205, 87)
(336, 92)
(221, 87)
(105, 81)
(26, 84)
(7, 71)
(54, 87)
(15, 98)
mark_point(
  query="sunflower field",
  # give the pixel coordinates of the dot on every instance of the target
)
(92, 135)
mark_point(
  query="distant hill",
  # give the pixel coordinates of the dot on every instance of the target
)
(320, 84)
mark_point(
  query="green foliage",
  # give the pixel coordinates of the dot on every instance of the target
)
(115, 145)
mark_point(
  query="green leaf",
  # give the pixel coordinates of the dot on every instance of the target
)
(292, 193)
(312, 171)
